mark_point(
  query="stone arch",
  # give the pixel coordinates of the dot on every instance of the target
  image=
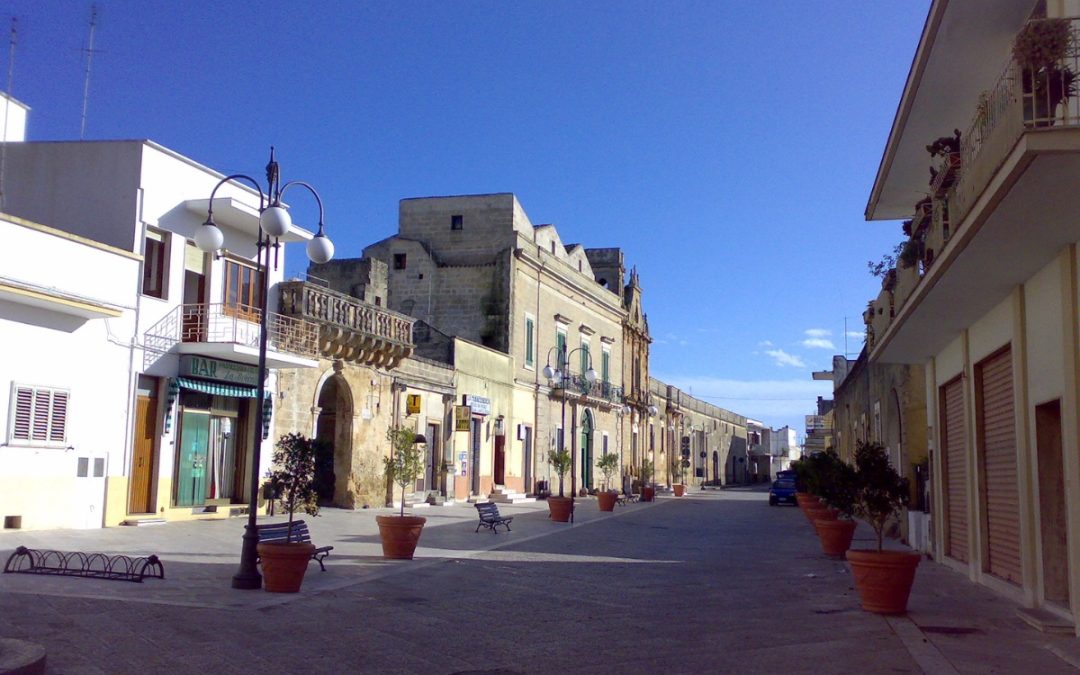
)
(588, 431)
(334, 425)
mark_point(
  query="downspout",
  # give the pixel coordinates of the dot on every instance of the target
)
(536, 379)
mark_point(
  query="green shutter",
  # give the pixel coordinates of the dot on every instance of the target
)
(606, 366)
(529, 357)
(560, 342)
(584, 358)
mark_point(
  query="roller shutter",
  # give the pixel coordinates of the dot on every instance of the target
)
(1000, 494)
(954, 440)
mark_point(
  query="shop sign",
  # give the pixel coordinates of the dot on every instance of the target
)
(223, 371)
(462, 417)
(479, 404)
(412, 404)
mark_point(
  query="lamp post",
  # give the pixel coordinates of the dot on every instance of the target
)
(274, 222)
(620, 412)
(560, 375)
(653, 412)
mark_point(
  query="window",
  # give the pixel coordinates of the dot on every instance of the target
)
(604, 450)
(605, 366)
(552, 248)
(38, 416)
(243, 290)
(560, 348)
(586, 362)
(456, 222)
(530, 356)
(399, 261)
(155, 263)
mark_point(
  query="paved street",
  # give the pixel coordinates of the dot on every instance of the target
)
(715, 582)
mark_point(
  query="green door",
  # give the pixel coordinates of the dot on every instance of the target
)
(191, 474)
(586, 450)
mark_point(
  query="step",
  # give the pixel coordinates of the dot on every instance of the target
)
(143, 522)
(1046, 621)
(507, 499)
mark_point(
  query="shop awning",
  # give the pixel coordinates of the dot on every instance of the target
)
(217, 388)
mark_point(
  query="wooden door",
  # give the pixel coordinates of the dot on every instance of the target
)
(997, 448)
(143, 461)
(500, 460)
(1053, 525)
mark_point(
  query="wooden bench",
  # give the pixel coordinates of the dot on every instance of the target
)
(625, 498)
(490, 518)
(276, 533)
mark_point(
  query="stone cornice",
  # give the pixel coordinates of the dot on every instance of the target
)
(573, 279)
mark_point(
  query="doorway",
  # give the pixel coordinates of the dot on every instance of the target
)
(500, 460)
(716, 466)
(1052, 517)
(194, 312)
(333, 433)
(477, 427)
(436, 475)
(526, 446)
(586, 450)
(144, 458)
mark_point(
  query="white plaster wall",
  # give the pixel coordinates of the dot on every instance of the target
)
(12, 119)
(949, 362)
(91, 358)
(991, 332)
(1043, 333)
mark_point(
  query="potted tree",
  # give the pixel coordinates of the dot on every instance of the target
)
(678, 468)
(608, 465)
(292, 478)
(559, 508)
(837, 487)
(801, 467)
(883, 578)
(648, 491)
(401, 533)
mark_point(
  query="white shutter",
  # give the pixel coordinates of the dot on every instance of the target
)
(38, 415)
(58, 420)
(23, 414)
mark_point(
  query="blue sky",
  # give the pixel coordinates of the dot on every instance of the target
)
(727, 147)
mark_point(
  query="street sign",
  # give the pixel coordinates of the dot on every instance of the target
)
(412, 404)
(462, 416)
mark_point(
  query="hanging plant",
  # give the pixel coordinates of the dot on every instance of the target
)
(1042, 44)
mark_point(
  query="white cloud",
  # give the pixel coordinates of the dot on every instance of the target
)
(857, 334)
(782, 358)
(765, 343)
(773, 402)
(818, 343)
(817, 332)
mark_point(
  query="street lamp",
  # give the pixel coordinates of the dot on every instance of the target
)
(619, 413)
(274, 222)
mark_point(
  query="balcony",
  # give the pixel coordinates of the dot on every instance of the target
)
(231, 332)
(1020, 101)
(349, 329)
(602, 391)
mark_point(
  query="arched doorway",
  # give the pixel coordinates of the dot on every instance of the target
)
(586, 449)
(333, 430)
(716, 466)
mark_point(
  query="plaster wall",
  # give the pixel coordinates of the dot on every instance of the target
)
(486, 373)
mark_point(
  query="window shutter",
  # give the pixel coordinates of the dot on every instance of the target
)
(42, 399)
(24, 397)
(58, 423)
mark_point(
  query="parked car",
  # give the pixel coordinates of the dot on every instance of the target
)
(782, 490)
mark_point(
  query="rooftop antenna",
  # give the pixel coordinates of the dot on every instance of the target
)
(7, 104)
(89, 51)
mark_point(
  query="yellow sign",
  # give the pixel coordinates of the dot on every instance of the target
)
(462, 417)
(412, 404)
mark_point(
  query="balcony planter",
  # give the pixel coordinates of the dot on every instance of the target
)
(1040, 49)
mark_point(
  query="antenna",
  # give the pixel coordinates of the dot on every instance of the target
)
(89, 51)
(7, 104)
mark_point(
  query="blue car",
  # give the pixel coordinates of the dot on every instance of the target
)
(782, 490)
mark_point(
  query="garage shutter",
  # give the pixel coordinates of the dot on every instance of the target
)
(955, 454)
(1000, 495)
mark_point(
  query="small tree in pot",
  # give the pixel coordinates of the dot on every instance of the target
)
(883, 578)
(678, 468)
(648, 491)
(560, 507)
(608, 465)
(838, 487)
(292, 479)
(400, 534)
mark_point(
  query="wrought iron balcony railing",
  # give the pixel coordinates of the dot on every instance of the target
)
(232, 324)
(581, 385)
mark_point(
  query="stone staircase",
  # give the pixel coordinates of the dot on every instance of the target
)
(503, 495)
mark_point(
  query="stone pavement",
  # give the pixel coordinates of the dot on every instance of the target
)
(713, 582)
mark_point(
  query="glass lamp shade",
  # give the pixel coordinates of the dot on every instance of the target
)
(275, 221)
(209, 237)
(549, 372)
(653, 410)
(320, 249)
(590, 375)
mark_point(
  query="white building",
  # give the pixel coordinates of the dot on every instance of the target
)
(173, 416)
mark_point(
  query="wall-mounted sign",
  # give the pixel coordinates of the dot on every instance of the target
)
(412, 404)
(479, 404)
(462, 417)
(223, 371)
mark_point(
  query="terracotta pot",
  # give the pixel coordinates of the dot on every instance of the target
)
(883, 579)
(400, 534)
(606, 500)
(648, 493)
(679, 489)
(559, 509)
(824, 515)
(812, 512)
(806, 499)
(835, 535)
(284, 565)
